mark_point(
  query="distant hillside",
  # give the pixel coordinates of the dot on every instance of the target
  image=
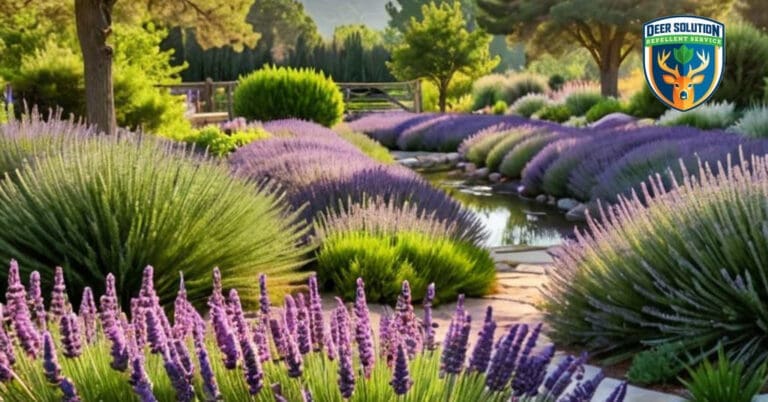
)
(330, 13)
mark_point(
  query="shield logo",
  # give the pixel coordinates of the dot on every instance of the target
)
(683, 59)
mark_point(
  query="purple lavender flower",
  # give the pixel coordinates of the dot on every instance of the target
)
(293, 356)
(330, 347)
(385, 339)
(306, 396)
(346, 370)
(618, 394)
(210, 387)
(119, 346)
(139, 379)
(185, 392)
(316, 314)
(16, 297)
(139, 322)
(261, 341)
(225, 337)
(36, 303)
(495, 374)
(303, 330)
(583, 392)
(363, 335)
(251, 362)
(59, 295)
(264, 305)
(87, 313)
(6, 370)
(279, 335)
(555, 386)
(290, 314)
(68, 390)
(156, 336)
(429, 330)
(109, 299)
(530, 373)
(181, 320)
(6, 346)
(70, 335)
(481, 355)
(401, 380)
(50, 361)
(510, 364)
(453, 359)
(217, 296)
(530, 343)
(277, 391)
(405, 323)
(147, 295)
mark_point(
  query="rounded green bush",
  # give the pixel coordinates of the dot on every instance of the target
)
(605, 107)
(118, 204)
(688, 268)
(643, 104)
(746, 51)
(580, 102)
(556, 113)
(556, 81)
(520, 85)
(513, 163)
(274, 93)
(500, 107)
(501, 148)
(754, 123)
(214, 140)
(528, 105)
(384, 260)
(707, 116)
(487, 90)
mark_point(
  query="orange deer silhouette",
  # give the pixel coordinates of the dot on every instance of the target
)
(682, 92)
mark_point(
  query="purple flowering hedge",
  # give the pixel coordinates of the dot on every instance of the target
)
(292, 352)
(323, 176)
(690, 269)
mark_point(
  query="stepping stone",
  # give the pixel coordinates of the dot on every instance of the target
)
(522, 257)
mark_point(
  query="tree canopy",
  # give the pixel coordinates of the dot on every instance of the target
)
(281, 23)
(608, 29)
(401, 11)
(440, 45)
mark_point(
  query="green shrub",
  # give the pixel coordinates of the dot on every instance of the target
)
(579, 102)
(115, 204)
(219, 143)
(487, 90)
(724, 381)
(753, 123)
(746, 51)
(680, 270)
(603, 108)
(530, 104)
(556, 82)
(478, 152)
(367, 145)
(644, 104)
(556, 113)
(523, 84)
(385, 260)
(655, 366)
(500, 107)
(501, 148)
(513, 163)
(274, 93)
(707, 116)
(576, 121)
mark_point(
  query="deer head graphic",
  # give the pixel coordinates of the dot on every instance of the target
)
(683, 85)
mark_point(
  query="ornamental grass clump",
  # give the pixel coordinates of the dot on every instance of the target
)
(118, 203)
(753, 123)
(706, 117)
(322, 356)
(688, 268)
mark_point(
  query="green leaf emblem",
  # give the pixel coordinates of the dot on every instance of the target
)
(683, 54)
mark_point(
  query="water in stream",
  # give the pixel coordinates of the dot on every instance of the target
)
(510, 219)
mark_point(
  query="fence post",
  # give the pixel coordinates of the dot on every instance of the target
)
(230, 112)
(417, 97)
(208, 94)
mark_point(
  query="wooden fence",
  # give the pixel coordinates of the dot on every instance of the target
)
(211, 102)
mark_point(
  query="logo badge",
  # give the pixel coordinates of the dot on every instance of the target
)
(683, 59)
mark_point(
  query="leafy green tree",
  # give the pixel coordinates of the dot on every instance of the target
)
(368, 36)
(609, 29)
(439, 46)
(401, 11)
(281, 23)
(754, 12)
(216, 22)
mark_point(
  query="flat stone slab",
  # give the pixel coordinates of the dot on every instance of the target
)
(521, 257)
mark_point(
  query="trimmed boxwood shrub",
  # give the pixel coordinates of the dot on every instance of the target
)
(274, 93)
(384, 260)
(118, 204)
(644, 104)
(689, 268)
(500, 107)
(605, 107)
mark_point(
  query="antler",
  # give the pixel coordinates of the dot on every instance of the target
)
(662, 59)
(704, 58)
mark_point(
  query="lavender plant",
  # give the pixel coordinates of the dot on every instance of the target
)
(193, 365)
(688, 268)
(387, 127)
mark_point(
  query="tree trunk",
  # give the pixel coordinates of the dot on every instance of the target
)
(443, 95)
(94, 24)
(609, 68)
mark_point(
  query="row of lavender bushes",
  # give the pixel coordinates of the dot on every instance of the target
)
(585, 164)
(282, 353)
(369, 219)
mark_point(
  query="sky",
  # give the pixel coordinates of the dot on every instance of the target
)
(330, 13)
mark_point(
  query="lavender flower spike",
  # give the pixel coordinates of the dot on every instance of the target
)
(316, 314)
(119, 346)
(156, 336)
(277, 391)
(293, 357)
(6, 372)
(254, 375)
(290, 314)
(264, 305)
(363, 335)
(88, 313)
(16, 297)
(50, 362)
(481, 355)
(210, 387)
(225, 337)
(70, 335)
(306, 396)
(346, 370)
(6, 345)
(303, 326)
(139, 379)
(618, 394)
(401, 380)
(429, 329)
(181, 321)
(68, 390)
(36, 301)
(58, 295)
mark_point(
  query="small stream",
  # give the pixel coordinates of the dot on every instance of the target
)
(510, 220)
